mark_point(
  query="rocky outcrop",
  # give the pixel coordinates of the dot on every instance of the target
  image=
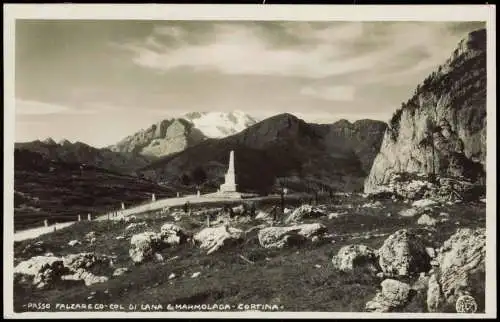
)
(403, 254)
(442, 128)
(216, 238)
(394, 295)
(462, 255)
(279, 237)
(353, 256)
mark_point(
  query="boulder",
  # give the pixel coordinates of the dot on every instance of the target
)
(45, 270)
(172, 234)
(239, 210)
(74, 243)
(403, 254)
(352, 256)
(426, 220)
(304, 212)
(394, 295)
(279, 237)
(460, 256)
(143, 246)
(216, 238)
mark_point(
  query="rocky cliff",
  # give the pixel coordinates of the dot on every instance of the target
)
(441, 129)
(175, 135)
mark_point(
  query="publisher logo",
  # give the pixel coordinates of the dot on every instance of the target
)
(466, 304)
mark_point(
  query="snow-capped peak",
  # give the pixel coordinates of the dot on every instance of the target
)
(220, 124)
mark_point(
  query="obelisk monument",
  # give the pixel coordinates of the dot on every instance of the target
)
(229, 184)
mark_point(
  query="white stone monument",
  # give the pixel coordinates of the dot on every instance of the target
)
(123, 206)
(229, 186)
(46, 223)
(198, 193)
(153, 197)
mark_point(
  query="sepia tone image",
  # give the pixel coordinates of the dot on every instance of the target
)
(272, 166)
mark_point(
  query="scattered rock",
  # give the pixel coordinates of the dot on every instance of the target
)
(144, 246)
(239, 210)
(460, 256)
(171, 276)
(136, 225)
(403, 254)
(376, 204)
(89, 236)
(352, 256)
(87, 277)
(74, 243)
(264, 216)
(128, 219)
(213, 239)
(410, 212)
(424, 203)
(36, 248)
(335, 215)
(304, 212)
(119, 237)
(394, 294)
(426, 220)
(120, 271)
(279, 237)
(85, 260)
(195, 275)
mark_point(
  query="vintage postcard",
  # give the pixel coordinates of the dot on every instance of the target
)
(249, 161)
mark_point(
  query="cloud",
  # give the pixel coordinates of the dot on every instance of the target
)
(331, 93)
(25, 107)
(312, 50)
(29, 107)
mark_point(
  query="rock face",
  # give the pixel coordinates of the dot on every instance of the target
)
(144, 246)
(352, 256)
(279, 237)
(213, 239)
(163, 138)
(394, 295)
(403, 254)
(442, 128)
(460, 256)
(174, 135)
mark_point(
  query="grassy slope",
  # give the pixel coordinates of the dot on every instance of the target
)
(60, 191)
(286, 277)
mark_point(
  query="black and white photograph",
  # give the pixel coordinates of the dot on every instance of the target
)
(250, 166)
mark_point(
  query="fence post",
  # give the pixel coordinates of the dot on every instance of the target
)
(79, 217)
(89, 217)
(208, 220)
(46, 223)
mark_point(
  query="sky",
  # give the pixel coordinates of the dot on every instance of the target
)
(100, 81)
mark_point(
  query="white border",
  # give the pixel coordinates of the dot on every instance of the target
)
(248, 12)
